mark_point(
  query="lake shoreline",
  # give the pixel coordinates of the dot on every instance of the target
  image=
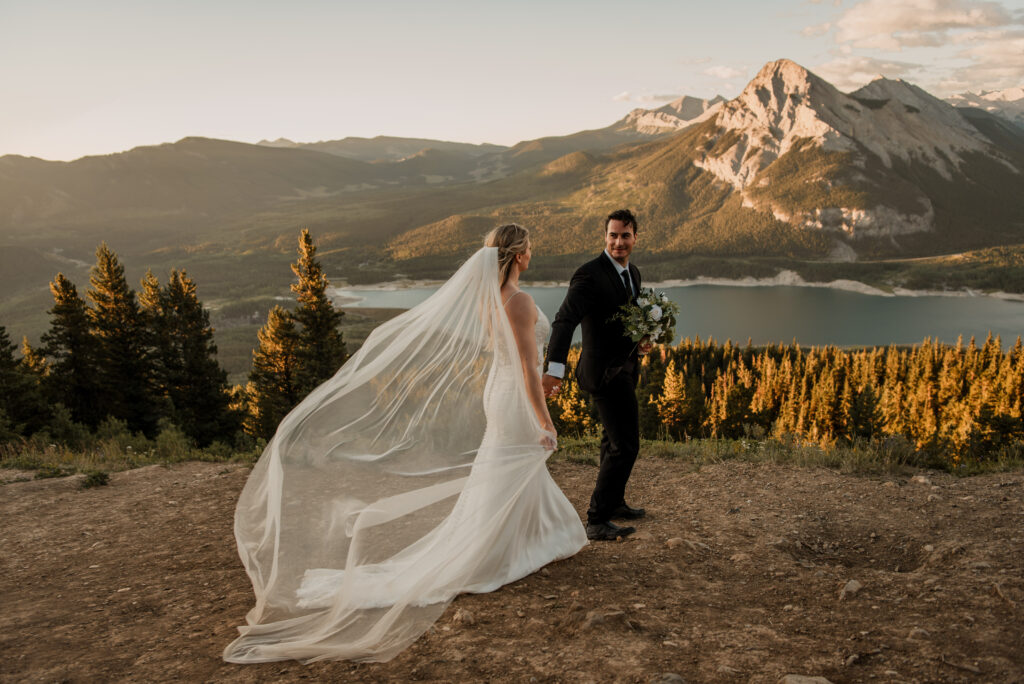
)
(784, 278)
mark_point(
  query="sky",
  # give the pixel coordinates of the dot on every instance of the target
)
(80, 78)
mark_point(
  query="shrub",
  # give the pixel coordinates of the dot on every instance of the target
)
(171, 444)
(95, 478)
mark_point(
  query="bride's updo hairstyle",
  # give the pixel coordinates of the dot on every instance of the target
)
(510, 239)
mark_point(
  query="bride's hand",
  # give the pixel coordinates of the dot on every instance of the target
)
(549, 438)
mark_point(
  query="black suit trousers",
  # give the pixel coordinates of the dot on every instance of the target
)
(620, 443)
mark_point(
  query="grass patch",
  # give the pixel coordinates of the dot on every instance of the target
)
(113, 454)
(50, 471)
(890, 456)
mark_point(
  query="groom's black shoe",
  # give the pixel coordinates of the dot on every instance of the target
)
(627, 512)
(607, 531)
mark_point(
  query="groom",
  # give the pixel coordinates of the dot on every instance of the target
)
(608, 368)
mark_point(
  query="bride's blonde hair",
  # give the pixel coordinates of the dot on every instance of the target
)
(510, 239)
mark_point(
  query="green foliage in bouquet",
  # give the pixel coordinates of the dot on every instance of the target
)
(652, 315)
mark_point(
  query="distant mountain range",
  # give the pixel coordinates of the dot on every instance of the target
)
(1008, 103)
(671, 118)
(791, 167)
(385, 148)
(792, 174)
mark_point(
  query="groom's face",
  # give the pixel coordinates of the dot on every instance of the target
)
(619, 240)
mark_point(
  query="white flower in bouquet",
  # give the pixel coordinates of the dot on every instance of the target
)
(652, 316)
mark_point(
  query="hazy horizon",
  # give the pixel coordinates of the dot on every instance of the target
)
(114, 75)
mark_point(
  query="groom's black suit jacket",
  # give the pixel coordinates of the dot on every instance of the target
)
(595, 294)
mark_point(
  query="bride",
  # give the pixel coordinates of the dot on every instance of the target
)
(414, 474)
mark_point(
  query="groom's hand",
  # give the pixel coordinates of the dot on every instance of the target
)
(645, 345)
(551, 385)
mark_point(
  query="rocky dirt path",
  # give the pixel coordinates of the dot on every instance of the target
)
(737, 575)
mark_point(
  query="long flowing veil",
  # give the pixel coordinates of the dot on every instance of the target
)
(383, 494)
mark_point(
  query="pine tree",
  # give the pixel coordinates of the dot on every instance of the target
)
(272, 389)
(769, 391)
(188, 372)
(827, 415)
(728, 407)
(670, 402)
(865, 414)
(33, 360)
(151, 305)
(570, 411)
(652, 377)
(893, 392)
(157, 342)
(321, 349)
(21, 400)
(71, 353)
(787, 419)
(124, 365)
(739, 418)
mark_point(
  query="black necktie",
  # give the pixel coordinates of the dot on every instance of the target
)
(629, 287)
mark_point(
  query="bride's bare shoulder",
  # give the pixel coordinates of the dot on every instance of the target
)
(520, 307)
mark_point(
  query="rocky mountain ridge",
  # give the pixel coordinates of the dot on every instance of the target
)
(790, 153)
(674, 116)
(859, 141)
(1007, 103)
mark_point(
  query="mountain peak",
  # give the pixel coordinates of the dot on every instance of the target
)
(914, 100)
(782, 87)
(783, 105)
(884, 88)
(783, 66)
(786, 106)
(280, 142)
(688, 107)
(784, 71)
(674, 116)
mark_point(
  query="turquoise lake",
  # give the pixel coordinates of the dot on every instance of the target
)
(810, 315)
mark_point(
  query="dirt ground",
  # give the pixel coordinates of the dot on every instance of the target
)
(736, 575)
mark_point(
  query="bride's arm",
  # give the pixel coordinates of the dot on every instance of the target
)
(522, 314)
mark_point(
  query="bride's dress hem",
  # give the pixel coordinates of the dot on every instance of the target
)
(414, 475)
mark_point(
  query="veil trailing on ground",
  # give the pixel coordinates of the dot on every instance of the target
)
(391, 487)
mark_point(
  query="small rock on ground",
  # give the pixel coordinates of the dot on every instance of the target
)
(668, 678)
(851, 589)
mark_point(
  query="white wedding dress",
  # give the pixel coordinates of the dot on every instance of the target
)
(416, 473)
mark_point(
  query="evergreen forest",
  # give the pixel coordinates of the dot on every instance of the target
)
(950, 405)
(141, 366)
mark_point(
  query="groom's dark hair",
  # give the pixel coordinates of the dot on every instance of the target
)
(624, 215)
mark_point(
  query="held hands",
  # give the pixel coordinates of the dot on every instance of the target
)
(645, 345)
(551, 385)
(549, 439)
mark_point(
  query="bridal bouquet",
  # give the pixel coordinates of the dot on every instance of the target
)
(652, 316)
